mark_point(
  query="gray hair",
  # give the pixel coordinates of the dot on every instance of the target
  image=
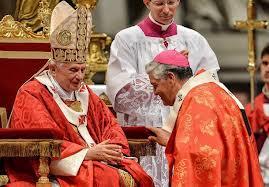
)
(54, 62)
(160, 70)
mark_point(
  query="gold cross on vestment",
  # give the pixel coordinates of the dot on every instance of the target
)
(251, 24)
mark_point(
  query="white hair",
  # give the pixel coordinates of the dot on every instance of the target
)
(54, 62)
(158, 70)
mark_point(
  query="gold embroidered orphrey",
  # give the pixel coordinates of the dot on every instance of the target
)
(80, 53)
(64, 37)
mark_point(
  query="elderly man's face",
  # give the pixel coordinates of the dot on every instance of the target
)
(265, 68)
(69, 76)
(163, 11)
(164, 88)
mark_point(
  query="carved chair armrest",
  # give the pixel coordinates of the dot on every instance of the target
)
(3, 180)
(3, 117)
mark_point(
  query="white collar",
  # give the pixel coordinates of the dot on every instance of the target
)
(60, 91)
(78, 119)
(164, 27)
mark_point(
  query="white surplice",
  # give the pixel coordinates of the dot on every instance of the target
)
(264, 154)
(128, 86)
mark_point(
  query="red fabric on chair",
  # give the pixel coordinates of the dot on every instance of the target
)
(18, 64)
(31, 133)
(25, 47)
(137, 132)
(14, 73)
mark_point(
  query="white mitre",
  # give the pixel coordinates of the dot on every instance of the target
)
(70, 33)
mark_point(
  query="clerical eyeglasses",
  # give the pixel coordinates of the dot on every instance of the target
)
(161, 4)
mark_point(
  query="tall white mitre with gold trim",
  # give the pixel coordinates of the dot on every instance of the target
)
(70, 33)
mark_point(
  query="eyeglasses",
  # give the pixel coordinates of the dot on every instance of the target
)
(161, 4)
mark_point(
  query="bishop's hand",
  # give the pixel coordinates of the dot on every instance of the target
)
(162, 136)
(185, 52)
(106, 152)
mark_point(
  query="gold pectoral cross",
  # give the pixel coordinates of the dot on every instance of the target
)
(74, 105)
(250, 25)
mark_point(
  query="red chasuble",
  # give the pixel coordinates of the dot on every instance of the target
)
(35, 108)
(210, 144)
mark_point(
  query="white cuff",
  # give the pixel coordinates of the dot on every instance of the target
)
(68, 166)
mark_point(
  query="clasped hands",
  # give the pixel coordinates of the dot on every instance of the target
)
(105, 152)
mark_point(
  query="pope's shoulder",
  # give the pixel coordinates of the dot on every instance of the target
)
(32, 86)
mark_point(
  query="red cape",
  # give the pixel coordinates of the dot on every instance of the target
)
(210, 144)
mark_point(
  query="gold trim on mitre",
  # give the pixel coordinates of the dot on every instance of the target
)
(70, 33)
(82, 44)
(64, 37)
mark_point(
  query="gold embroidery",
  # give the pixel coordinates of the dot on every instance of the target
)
(64, 37)
(180, 170)
(207, 127)
(205, 97)
(232, 129)
(205, 162)
(126, 179)
(186, 129)
(82, 34)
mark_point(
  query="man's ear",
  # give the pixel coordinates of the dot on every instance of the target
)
(146, 2)
(52, 69)
(171, 76)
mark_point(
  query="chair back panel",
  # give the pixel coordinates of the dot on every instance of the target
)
(19, 61)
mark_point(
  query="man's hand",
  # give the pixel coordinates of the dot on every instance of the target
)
(106, 152)
(185, 53)
(162, 136)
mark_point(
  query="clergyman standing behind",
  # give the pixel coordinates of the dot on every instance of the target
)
(211, 143)
(128, 86)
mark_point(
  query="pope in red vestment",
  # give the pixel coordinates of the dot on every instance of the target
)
(35, 108)
(94, 151)
(210, 142)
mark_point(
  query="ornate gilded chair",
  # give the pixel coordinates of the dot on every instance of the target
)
(3, 117)
(41, 144)
(22, 54)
